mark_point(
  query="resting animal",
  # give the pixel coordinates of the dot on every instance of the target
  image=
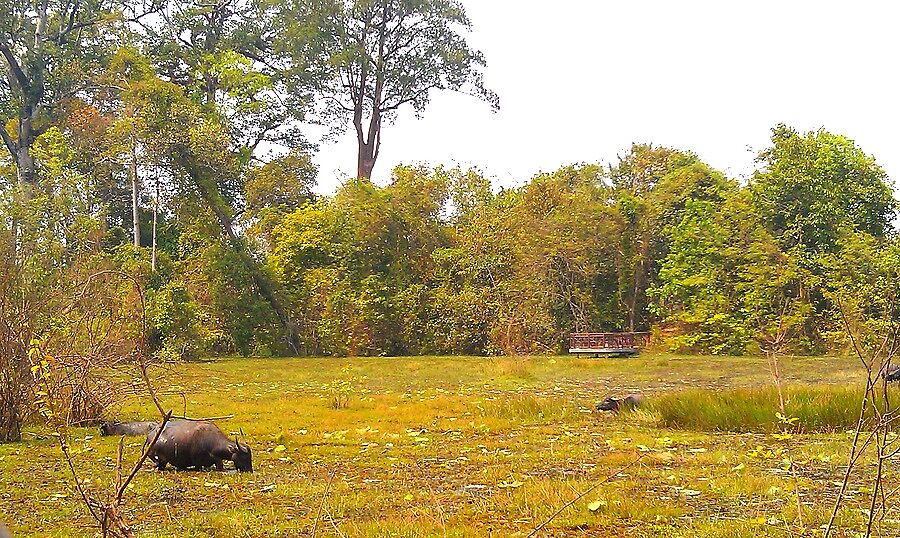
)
(197, 444)
(128, 428)
(625, 404)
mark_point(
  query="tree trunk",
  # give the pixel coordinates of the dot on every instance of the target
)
(25, 169)
(153, 241)
(15, 380)
(640, 283)
(135, 198)
(25, 166)
(632, 311)
(366, 161)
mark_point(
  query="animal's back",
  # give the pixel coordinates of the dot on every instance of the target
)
(186, 443)
(174, 443)
(128, 428)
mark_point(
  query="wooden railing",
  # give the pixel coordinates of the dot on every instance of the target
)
(600, 342)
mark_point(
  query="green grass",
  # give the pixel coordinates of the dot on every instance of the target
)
(466, 446)
(817, 409)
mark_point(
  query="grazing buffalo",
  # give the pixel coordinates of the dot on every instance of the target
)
(197, 444)
(128, 428)
(625, 404)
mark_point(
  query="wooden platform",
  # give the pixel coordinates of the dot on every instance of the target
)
(609, 344)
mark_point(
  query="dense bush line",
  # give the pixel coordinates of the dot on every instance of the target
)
(438, 261)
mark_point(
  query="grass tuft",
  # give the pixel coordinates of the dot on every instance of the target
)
(514, 367)
(819, 409)
(531, 409)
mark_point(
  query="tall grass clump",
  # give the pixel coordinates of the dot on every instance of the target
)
(515, 367)
(530, 409)
(819, 409)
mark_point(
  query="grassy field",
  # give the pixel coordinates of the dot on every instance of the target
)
(450, 446)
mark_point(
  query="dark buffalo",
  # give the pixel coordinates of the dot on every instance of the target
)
(197, 444)
(128, 428)
(625, 404)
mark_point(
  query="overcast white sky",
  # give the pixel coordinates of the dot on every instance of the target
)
(579, 80)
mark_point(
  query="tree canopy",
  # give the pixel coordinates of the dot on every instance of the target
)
(382, 55)
(167, 141)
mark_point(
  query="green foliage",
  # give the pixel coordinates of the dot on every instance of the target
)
(173, 319)
(766, 268)
(722, 279)
(244, 320)
(817, 184)
(352, 263)
(863, 287)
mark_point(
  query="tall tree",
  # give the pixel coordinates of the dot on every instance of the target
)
(224, 59)
(813, 190)
(651, 187)
(127, 67)
(204, 165)
(816, 185)
(386, 54)
(48, 51)
(230, 57)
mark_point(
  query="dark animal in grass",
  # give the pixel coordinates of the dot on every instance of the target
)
(615, 405)
(187, 444)
(892, 374)
(128, 428)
